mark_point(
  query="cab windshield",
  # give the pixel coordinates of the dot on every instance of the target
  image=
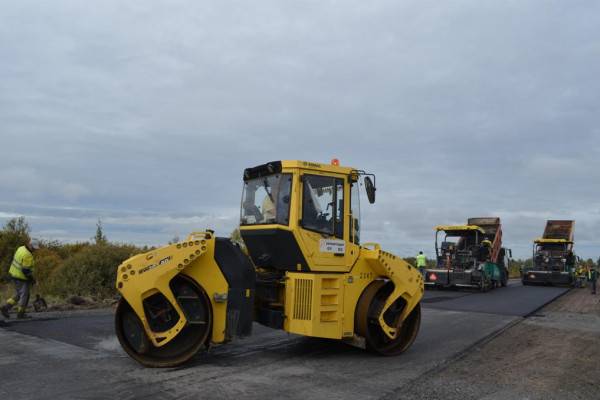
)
(266, 200)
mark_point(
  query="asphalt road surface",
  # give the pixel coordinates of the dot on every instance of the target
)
(76, 356)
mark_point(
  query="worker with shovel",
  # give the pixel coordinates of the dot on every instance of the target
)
(21, 273)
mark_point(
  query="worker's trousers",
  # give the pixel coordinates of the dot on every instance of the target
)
(21, 297)
(593, 285)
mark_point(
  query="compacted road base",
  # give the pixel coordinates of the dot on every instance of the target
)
(554, 354)
(76, 356)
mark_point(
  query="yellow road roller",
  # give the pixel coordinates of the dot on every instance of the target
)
(302, 268)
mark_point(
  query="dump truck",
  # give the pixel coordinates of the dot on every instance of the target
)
(303, 269)
(470, 256)
(554, 262)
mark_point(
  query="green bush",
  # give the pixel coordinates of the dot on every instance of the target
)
(66, 250)
(514, 270)
(47, 261)
(91, 271)
(63, 270)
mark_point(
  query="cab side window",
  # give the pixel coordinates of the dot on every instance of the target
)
(355, 213)
(323, 205)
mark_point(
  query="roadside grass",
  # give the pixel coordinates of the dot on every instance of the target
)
(6, 291)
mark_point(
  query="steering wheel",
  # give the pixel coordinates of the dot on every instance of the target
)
(323, 216)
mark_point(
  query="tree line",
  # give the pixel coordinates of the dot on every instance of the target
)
(89, 268)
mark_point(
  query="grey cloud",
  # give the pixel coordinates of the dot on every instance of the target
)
(149, 111)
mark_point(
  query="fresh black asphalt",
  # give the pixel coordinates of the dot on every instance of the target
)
(76, 355)
(86, 330)
(515, 299)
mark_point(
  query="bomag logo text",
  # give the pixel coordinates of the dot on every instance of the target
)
(310, 164)
(152, 266)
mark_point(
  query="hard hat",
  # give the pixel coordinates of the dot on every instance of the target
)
(35, 244)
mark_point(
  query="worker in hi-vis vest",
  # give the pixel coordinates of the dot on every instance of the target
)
(21, 273)
(421, 263)
(592, 277)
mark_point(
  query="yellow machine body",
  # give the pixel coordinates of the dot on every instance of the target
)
(304, 270)
(456, 228)
(324, 305)
(146, 274)
(552, 241)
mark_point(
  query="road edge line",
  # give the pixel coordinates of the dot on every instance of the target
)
(463, 353)
(548, 302)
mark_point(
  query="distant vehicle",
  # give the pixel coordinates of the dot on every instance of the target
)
(554, 262)
(470, 256)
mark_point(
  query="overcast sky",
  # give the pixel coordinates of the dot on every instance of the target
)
(145, 113)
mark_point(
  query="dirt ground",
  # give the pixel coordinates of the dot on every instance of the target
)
(554, 354)
(57, 304)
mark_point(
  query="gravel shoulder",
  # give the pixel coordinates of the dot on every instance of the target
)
(554, 354)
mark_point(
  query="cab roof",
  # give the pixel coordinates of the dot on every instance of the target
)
(459, 228)
(336, 169)
(275, 167)
(544, 240)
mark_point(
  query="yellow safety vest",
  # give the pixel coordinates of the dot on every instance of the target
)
(591, 274)
(22, 262)
(421, 261)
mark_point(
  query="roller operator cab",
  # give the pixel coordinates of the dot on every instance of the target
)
(303, 270)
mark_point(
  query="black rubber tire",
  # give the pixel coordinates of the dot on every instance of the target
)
(504, 281)
(183, 347)
(486, 285)
(369, 305)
